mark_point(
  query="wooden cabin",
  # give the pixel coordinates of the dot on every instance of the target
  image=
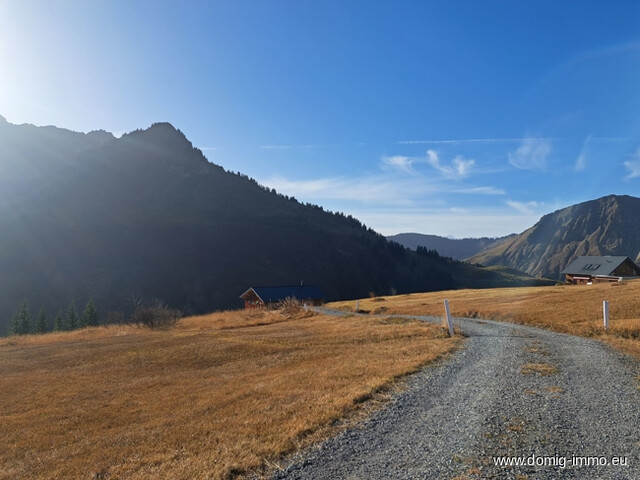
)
(266, 297)
(587, 270)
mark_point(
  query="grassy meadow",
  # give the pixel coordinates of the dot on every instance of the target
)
(217, 396)
(569, 309)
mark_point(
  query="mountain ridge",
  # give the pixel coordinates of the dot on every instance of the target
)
(458, 249)
(604, 226)
(147, 215)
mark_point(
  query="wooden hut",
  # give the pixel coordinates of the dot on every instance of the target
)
(261, 297)
(586, 270)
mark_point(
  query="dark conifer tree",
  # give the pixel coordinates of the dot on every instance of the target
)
(21, 323)
(90, 315)
(72, 317)
(14, 327)
(82, 320)
(59, 323)
(41, 322)
(26, 326)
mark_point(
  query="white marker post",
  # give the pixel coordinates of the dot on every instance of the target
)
(605, 313)
(448, 317)
(357, 306)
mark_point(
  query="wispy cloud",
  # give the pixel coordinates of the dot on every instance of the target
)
(401, 163)
(208, 149)
(531, 154)
(459, 168)
(372, 190)
(392, 202)
(528, 208)
(633, 165)
(581, 161)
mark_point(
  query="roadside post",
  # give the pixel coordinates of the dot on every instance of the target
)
(357, 306)
(449, 322)
(605, 313)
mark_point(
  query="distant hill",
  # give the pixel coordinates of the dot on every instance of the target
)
(606, 226)
(146, 215)
(458, 249)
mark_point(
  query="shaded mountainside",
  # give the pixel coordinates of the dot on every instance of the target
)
(606, 226)
(146, 215)
(458, 249)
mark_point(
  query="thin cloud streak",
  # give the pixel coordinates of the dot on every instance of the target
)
(470, 140)
(481, 191)
(609, 139)
(275, 147)
(308, 146)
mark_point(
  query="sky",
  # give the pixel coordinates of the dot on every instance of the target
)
(456, 118)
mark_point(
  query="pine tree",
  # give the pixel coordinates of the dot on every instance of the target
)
(41, 322)
(82, 320)
(72, 317)
(25, 319)
(90, 315)
(59, 323)
(14, 327)
(21, 323)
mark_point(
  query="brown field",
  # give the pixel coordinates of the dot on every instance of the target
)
(567, 309)
(217, 396)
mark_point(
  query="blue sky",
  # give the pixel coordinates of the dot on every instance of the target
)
(459, 118)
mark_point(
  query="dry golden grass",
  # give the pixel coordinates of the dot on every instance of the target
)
(541, 369)
(567, 309)
(217, 396)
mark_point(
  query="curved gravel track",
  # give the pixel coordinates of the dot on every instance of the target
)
(512, 391)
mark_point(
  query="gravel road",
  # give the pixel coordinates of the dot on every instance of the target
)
(512, 391)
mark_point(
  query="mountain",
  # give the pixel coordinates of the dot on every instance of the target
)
(607, 226)
(458, 249)
(147, 215)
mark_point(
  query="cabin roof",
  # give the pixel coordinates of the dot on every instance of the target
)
(277, 294)
(595, 266)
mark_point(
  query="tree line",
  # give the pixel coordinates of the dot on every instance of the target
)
(23, 324)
